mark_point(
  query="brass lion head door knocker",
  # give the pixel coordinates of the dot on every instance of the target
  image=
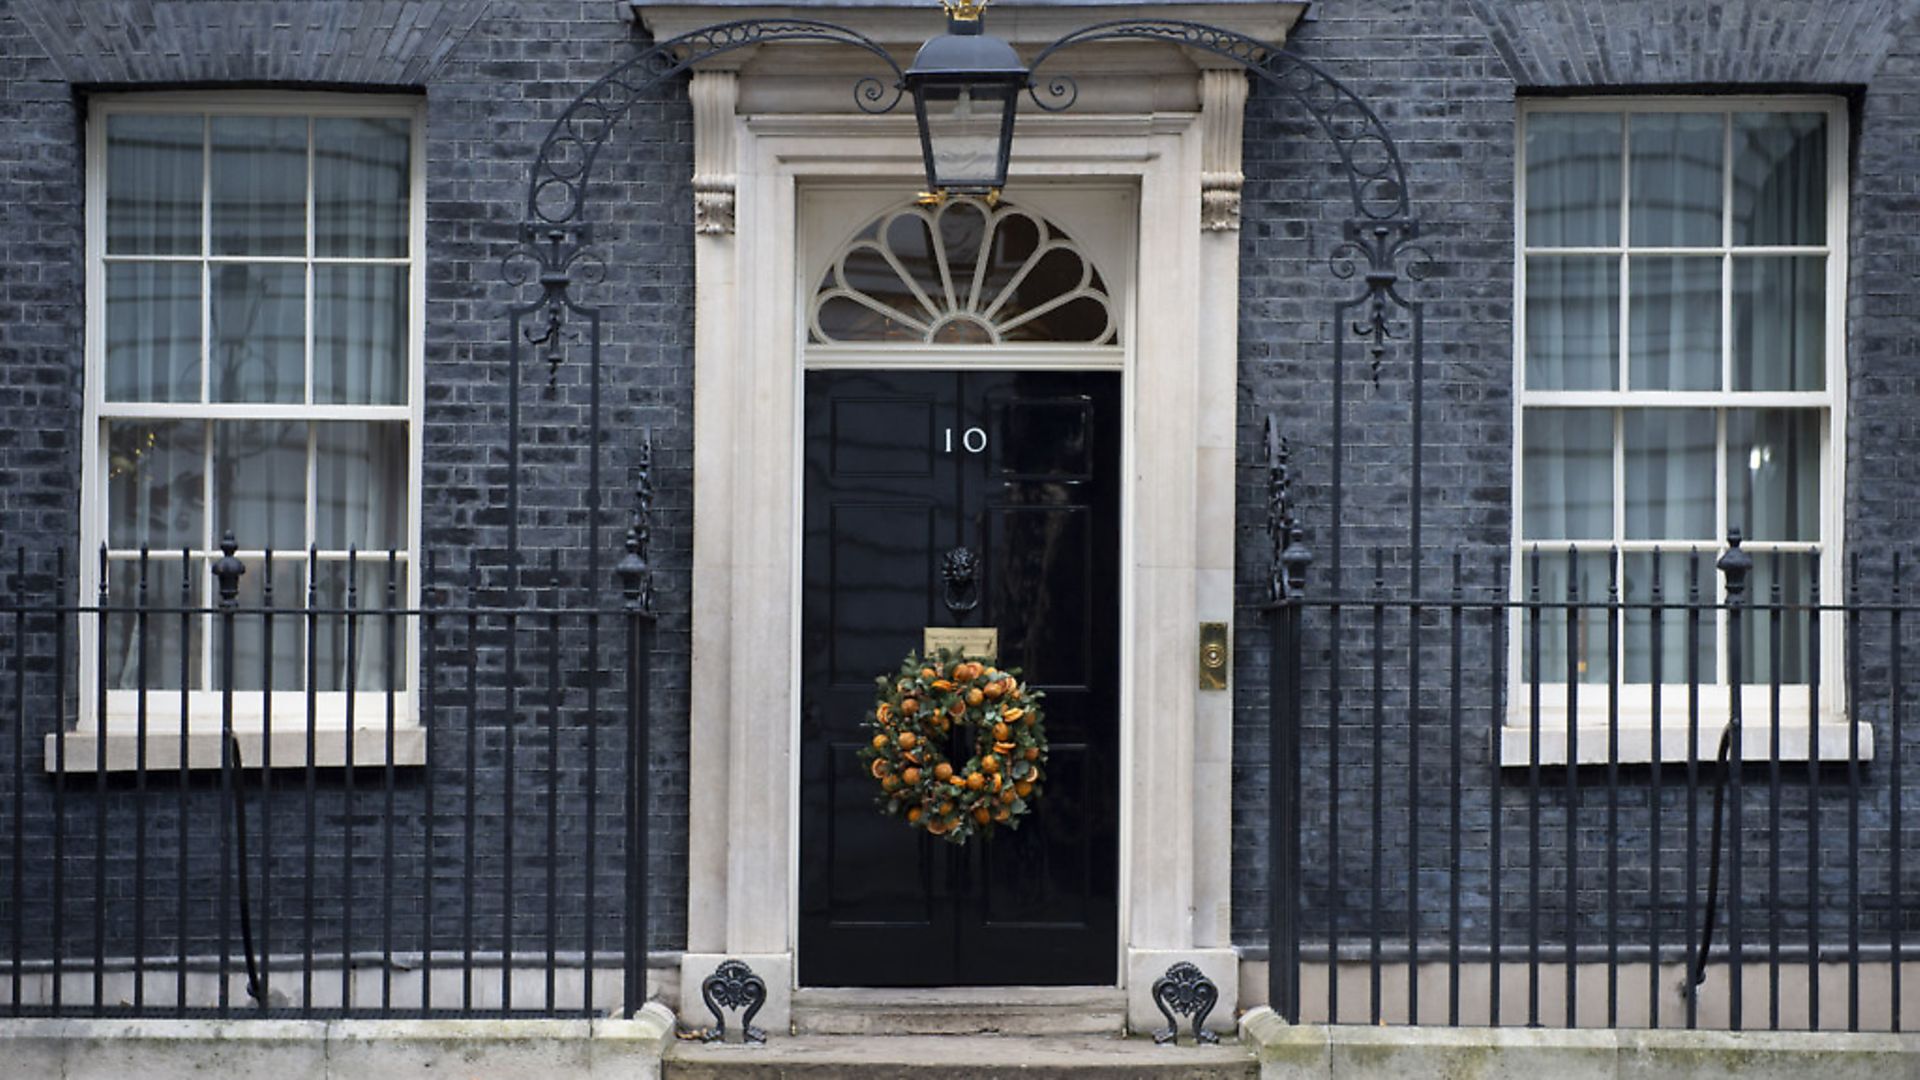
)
(960, 568)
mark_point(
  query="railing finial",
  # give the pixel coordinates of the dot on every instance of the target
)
(1736, 564)
(635, 568)
(228, 569)
(1286, 540)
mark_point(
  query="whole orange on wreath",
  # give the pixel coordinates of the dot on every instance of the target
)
(956, 745)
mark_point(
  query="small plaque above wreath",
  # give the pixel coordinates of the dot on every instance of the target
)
(956, 745)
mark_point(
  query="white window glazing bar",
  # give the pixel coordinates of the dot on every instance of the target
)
(207, 415)
(307, 339)
(328, 260)
(1825, 401)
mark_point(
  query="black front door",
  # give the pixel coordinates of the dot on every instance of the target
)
(1023, 469)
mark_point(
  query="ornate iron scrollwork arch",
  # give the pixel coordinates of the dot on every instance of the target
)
(556, 246)
(1379, 247)
(1376, 177)
(561, 172)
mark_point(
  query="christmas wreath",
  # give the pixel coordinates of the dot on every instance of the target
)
(957, 746)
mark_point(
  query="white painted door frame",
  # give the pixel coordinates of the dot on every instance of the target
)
(1177, 542)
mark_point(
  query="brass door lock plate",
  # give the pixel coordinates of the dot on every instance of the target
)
(973, 642)
(1214, 651)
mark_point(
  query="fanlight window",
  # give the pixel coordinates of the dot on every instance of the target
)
(962, 273)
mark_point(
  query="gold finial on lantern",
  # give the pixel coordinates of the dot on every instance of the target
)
(964, 10)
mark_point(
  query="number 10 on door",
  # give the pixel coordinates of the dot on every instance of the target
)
(973, 440)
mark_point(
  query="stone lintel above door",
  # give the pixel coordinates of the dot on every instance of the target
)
(1026, 24)
(1113, 78)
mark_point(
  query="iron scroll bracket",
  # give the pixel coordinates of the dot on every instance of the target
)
(733, 985)
(1186, 990)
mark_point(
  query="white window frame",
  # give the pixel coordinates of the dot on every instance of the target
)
(1634, 719)
(287, 713)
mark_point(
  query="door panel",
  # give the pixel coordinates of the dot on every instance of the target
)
(1023, 468)
(873, 548)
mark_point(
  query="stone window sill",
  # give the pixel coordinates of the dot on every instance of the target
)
(1633, 714)
(83, 750)
(1636, 742)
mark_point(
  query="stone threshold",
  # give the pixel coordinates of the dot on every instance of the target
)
(959, 1057)
(964, 1010)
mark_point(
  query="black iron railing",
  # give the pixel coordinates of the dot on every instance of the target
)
(221, 799)
(1591, 793)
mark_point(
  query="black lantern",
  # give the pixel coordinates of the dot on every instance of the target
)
(964, 85)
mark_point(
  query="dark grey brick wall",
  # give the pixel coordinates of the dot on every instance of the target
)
(494, 76)
(1442, 90)
(1445, 74)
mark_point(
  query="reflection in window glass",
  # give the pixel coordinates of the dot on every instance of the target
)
(282, 636)
(258, 344)
(354, 650)
(155, 650)
(1678, 578)
(1573, 323)
(153, 184)
(1677, 173)
(260, 482)
(156, 490)
(1673, 338)
(1773, 475)
(1568, 465)
(362, 178)
(1564, 580)
(1779, 178)
(360, 481)
(1669, 479)
(1779, 322)
(360, 334)
(153, 331)
(259, 177)
(1774, 636)
(1573, 179)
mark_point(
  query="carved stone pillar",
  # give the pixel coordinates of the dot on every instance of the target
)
(714, 94)
(1223, 108)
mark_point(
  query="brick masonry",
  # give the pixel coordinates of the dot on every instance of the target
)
(1443, 74)
(494, 76)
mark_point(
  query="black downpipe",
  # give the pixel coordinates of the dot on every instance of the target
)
(256, 987)
(229, 569)
(1723, 759)
(1735, 564)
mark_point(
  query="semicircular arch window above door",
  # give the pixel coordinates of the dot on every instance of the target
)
(962, 273)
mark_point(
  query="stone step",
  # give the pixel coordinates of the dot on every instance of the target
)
(957, 1057)
(964, 1010)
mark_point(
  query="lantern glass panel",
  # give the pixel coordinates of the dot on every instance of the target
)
(967, 131)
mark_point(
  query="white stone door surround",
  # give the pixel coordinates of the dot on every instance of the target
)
(765, 149)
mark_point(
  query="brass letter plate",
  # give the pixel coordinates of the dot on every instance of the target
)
(977, 642)
(1214, 651)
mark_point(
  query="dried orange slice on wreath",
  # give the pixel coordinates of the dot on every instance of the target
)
(940, 724)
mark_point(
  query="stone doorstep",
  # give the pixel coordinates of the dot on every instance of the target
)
(1042, 1010)
(958, 1057)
